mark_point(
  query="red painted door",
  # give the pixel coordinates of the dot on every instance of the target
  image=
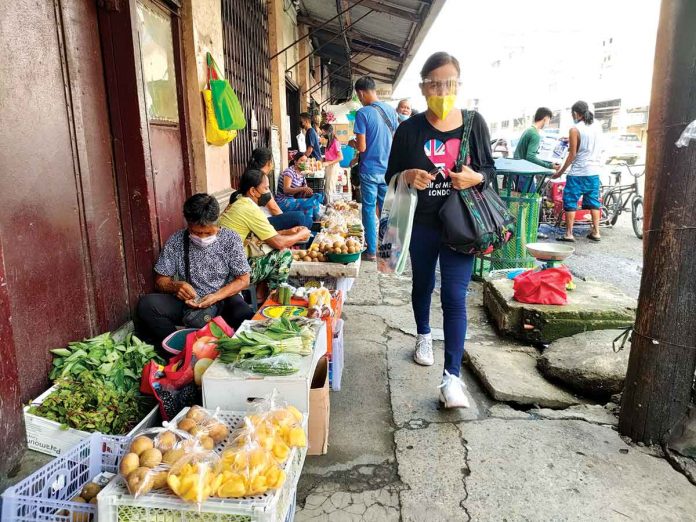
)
(159, 45)
(60, 225)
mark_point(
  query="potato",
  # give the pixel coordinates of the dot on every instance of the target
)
(306, 258)
(159, 479)
(187, 424)
(207, 442)
(141, 444)
(337, 244)
(129, 463)
(90, 490)
(140, 481)
(171, 456)
(218, 432)
(150, 458)
(197, 413)
(165, 441)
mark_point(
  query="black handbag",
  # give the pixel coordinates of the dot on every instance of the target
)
(474, 220)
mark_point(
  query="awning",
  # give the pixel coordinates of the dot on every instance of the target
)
(375, 38)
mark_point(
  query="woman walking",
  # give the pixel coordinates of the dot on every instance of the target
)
(423, 155)
(332, 157)
(583, 166)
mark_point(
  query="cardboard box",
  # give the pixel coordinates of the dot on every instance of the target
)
(234, 390)
(319, 410)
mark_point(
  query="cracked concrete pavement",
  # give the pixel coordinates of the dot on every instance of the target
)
(394, 455)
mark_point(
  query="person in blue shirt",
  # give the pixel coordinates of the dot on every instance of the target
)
(311, 137)
(374, 128)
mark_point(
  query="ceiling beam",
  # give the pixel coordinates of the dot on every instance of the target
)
(376, 74)
(393, 49)
(388, 9)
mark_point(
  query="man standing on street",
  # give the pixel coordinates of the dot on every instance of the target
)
(374, 128)
(311, 137)
(528, 147)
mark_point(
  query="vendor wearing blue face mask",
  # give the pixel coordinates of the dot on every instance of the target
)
(403, 110)
(200, 273)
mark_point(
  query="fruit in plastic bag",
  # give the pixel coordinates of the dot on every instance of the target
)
(196, 476)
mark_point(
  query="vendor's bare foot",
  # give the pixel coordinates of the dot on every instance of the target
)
(368, 257)
(566, 239)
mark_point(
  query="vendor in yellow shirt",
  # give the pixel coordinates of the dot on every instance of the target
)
(266, 247)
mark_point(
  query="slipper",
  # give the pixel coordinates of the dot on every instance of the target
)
(566, 239)
(592, 237)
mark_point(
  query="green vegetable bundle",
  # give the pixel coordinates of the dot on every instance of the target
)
(276, 336)
(279, 365)
(117, 363)
(90, 404)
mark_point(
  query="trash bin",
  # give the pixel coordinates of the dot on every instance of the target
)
(524, 206)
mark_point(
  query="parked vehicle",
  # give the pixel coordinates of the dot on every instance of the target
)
(625, 148)
(618, 198)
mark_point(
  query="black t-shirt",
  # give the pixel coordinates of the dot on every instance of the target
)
(419, 145)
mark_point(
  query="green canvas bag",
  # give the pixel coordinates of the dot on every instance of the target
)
(228, 110)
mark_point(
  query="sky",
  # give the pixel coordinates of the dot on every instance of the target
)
(517, 55)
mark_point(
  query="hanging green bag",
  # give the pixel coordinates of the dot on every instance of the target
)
(228, 110)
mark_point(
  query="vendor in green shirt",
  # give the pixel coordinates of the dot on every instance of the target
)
(528, 148)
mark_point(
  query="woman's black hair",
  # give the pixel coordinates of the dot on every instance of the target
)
(583, 110)
(438, 60)
(260, 158)
(297, 156)
(201, 209)
(251, 178)
(328, 129)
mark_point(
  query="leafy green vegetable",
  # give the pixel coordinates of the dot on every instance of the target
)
(91, 404)
(117, 364)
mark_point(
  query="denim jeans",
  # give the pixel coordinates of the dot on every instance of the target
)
(288, 220)
(373, 189)
(455, 272)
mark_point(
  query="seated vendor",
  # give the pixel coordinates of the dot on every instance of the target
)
(199, 275)
(293, 192)
(262, 159)
(265, 247)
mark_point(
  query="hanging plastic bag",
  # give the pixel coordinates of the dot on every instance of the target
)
(228, 110)
(395, 226)
(213, 134)
(546, 287)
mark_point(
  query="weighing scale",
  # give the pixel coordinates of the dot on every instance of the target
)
(550, 255)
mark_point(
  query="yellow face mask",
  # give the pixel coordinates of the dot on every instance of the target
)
(441, 105)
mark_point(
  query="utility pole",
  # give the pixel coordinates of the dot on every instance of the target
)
(663, 351)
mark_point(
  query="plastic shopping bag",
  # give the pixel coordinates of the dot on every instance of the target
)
(213, 134)
(228, 110)
(395, 226)
(542, 286)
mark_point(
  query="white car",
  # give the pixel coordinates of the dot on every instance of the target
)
(623, 148)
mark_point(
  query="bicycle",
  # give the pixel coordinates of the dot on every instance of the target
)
(617, 198)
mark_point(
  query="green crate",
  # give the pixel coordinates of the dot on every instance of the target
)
(525, 208)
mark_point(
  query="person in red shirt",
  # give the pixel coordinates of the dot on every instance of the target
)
(332, 157)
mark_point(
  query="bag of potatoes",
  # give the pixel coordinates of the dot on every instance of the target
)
(151, 453)
(204, 426)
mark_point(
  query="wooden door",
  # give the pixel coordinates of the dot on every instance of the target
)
(158, 35)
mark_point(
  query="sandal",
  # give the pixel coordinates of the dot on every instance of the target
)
(566, 239)
(594, 238)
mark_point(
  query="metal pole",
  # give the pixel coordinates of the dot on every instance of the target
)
(358, 2)
(329, 41)
(661, 366)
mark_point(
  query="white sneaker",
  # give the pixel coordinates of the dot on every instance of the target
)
(424, 350)
(452, 392)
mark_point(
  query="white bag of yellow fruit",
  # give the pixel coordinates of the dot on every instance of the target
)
(196, 476)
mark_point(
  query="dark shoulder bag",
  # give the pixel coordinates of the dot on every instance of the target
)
(474, 220)
(381, 112)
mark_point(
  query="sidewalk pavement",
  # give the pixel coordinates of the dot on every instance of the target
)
(393, 455)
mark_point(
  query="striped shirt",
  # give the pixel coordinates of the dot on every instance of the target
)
(297, 179)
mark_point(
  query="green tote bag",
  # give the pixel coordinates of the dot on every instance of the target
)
(228, 110)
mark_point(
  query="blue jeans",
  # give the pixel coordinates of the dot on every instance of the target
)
(455, 271)
(373, 189)
(287, 220)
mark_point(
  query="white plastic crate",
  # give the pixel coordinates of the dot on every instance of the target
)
(45, 494)
(336, 358)
(116, 504)
(47, 436)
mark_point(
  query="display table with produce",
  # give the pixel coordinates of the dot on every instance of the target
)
(231, 382)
